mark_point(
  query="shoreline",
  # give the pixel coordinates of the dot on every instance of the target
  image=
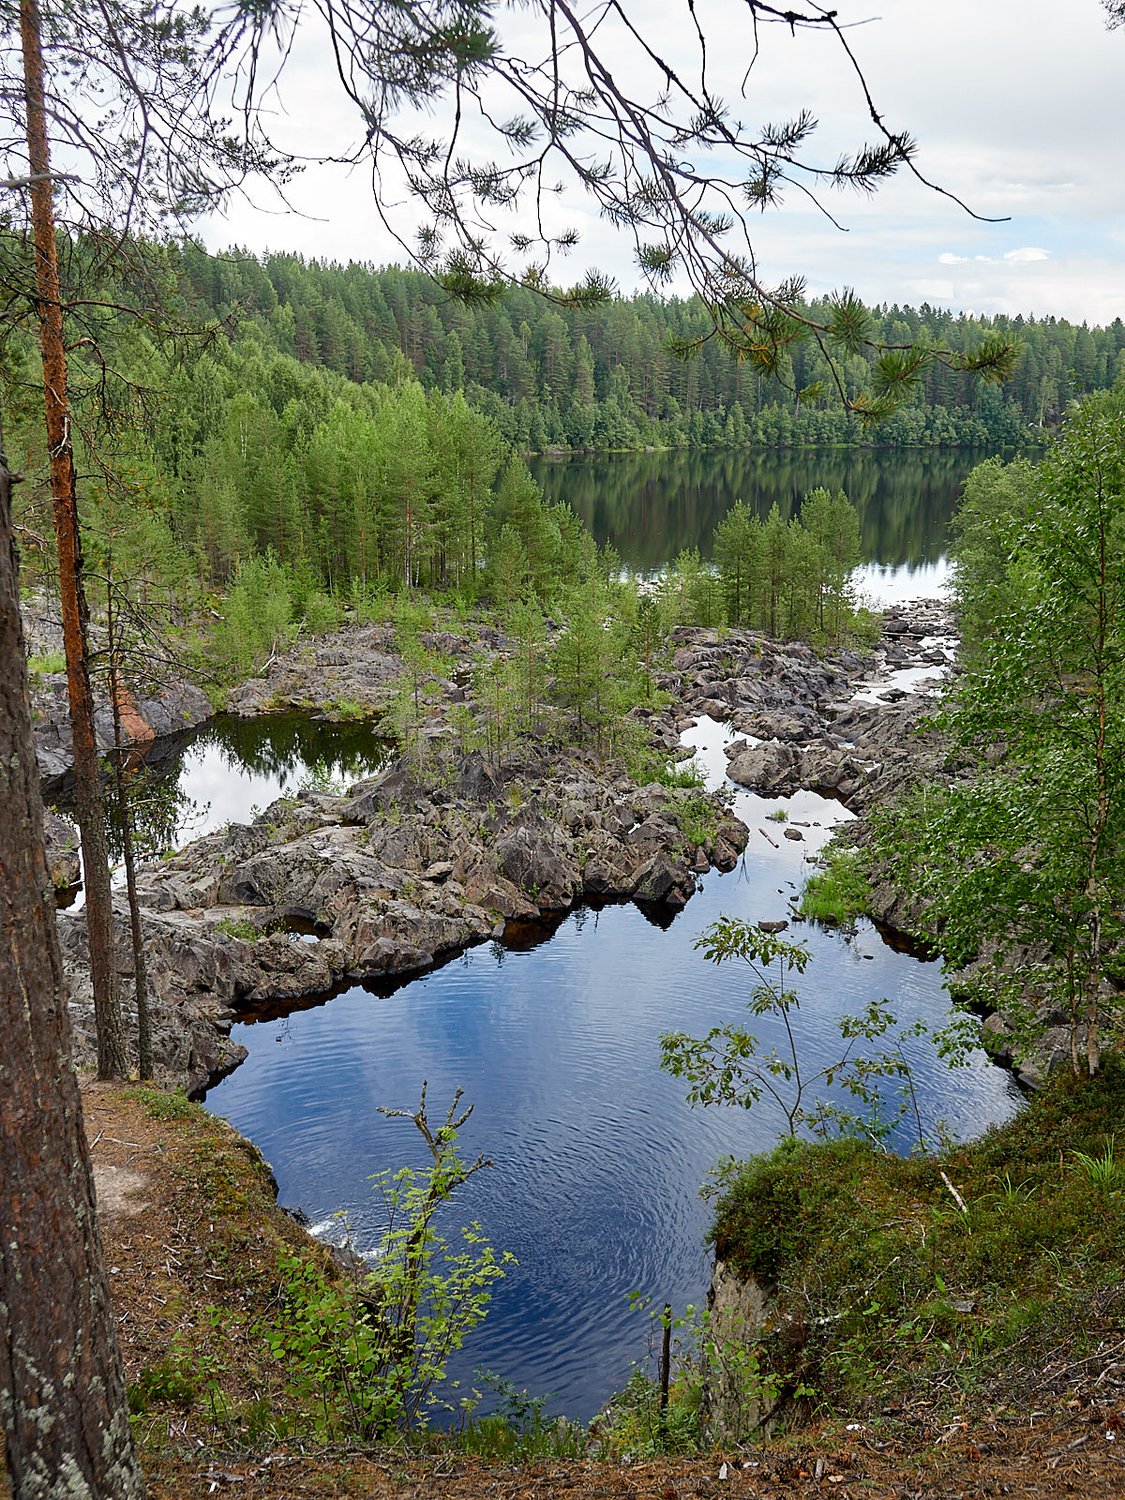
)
(415, 865)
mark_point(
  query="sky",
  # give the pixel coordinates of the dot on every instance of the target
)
(1018, 108)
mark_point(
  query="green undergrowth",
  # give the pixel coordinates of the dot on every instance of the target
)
(837, 893)
(46, 664)
(240, 927)
(698, 818)
(981, 1275)
(518, 1430)
(160, 1104)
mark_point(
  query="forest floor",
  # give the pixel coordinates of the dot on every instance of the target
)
(192, 1233)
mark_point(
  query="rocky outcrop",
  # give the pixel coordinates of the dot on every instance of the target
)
(170, 710)
(409, 868)
(61, 839)
(383, 883)
(735, 1408)
(147, 713)
(355, 670)
(851, 728)
(840, 725)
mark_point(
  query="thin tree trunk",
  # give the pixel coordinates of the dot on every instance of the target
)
(112, 1054)
(1101, 814)
(62, 1395)
(140, 968)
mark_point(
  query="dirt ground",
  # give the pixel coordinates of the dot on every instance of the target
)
(191, 1236)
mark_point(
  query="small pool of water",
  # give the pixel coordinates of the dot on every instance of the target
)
(226, 771)
(598, 1158)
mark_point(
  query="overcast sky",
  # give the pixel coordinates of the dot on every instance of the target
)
(1018, 107)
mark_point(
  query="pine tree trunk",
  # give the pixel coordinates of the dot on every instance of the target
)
(125, 812)
(62, 1396)
(112, 1054)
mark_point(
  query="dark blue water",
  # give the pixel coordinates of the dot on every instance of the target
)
(598, 1159)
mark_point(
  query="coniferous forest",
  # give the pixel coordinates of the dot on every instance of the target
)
(605, 376)
(325, 434)
(389, 767)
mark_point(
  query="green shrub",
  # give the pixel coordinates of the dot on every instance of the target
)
(322, 613)
(368, 1357)
(240, 927)
(162, 1105)
(519, 1430)
(347, 710)
(635, 1424)
(255, 616)
(171, 1381)
(770, 1204)
(698, 818)
(732, 1066)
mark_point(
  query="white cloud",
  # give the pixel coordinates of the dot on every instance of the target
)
(1036, 140)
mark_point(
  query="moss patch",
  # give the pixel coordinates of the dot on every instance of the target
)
(990, 1273)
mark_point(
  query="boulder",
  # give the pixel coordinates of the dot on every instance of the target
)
(531, 863)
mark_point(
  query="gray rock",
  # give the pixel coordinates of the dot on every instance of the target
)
(179, 706)
(61, 841)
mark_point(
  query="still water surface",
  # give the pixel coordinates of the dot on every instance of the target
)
(229, 768)
(652, 506)
(598, 1159)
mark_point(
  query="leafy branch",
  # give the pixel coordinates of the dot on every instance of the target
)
(732, 1066)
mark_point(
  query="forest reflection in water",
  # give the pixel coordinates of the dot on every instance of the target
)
(652, 506)
(186, 786)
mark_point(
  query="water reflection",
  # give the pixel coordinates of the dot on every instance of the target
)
(183, 787)
(651, 506)
(599, 1159)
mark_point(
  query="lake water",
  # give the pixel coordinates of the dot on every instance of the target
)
(652, 506)
(598, 1160)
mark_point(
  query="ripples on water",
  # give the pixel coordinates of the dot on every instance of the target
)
(598, 1158)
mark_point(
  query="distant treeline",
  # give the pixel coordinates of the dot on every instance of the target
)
(604, 377)
(249, 465)
(258, 492)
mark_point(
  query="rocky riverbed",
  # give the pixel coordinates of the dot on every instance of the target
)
(844, 726)
(446, 850)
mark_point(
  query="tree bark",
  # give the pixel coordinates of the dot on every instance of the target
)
(112, 1053)
(62, 1395)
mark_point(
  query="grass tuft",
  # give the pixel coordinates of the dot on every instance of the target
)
(837, 894)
